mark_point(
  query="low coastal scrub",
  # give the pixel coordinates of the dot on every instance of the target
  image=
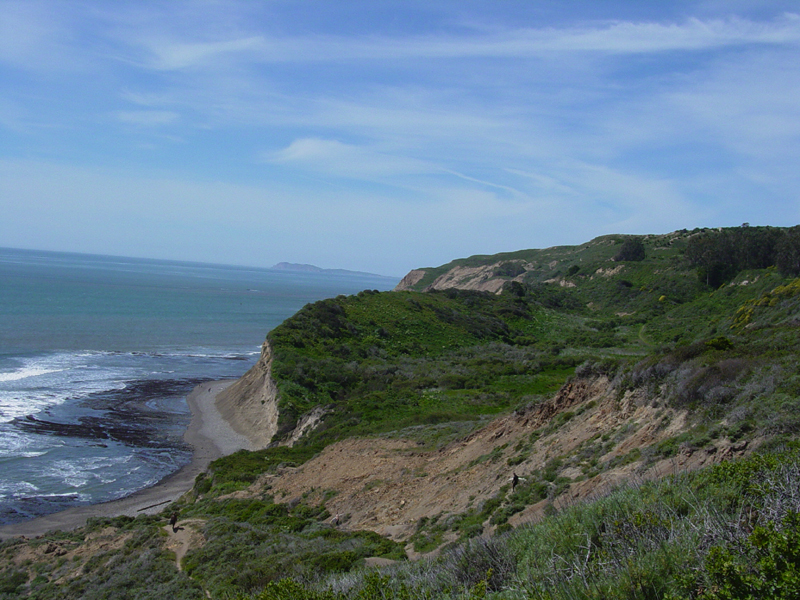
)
(729, 531)
(109, 558)
(380, 362)
(250, 543)
(240, 469)
(705, 340)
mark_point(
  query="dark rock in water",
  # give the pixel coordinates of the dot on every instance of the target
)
(133, 416)
(148, 416)
(22, 509)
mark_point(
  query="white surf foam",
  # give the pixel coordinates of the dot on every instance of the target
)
(36, 384)
(26, 372)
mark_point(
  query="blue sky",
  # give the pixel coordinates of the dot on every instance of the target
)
(384, 136)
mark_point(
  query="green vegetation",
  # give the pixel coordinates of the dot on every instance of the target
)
(380, 362)
(252, 542)
(238, 470)
(383, 362)
(714, 255)
(632, 249)
(729, 531)
(701, 324)
(720, 255)
(137, 566)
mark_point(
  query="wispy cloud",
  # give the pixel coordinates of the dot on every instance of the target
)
(167, 55)
(345, 160)
(515, 132)
(25, 34)
(147, 118)
(619, 37)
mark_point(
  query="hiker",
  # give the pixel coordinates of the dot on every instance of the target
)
(173, 521)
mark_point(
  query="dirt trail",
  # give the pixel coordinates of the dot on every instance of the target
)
(183, 538)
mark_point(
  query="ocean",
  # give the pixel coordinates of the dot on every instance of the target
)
(97, 355)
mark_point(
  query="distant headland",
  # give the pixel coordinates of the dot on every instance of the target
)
(287, 266)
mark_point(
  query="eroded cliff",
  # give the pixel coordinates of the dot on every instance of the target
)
(251, 404)
(388, 484)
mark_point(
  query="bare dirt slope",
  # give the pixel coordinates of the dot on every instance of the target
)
(387, 485)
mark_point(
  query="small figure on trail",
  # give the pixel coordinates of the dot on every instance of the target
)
(514, 481)
(173, 521)
(335, 519)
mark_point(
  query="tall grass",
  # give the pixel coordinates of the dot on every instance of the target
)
(649, 540)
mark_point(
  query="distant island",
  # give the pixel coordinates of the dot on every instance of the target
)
(286, 266)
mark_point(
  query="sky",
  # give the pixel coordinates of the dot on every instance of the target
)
(383, 136)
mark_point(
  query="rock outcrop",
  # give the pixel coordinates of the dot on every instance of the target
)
(482, 279)
(409, 281)
(251, 404)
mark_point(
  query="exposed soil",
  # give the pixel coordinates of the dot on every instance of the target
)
(387, 485)
(185, 536)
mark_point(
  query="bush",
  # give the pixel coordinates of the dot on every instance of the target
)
(11, 581)
(766, 566)
(632, 249)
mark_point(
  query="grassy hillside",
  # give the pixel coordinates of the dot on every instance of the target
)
(711, 366)
(716, 255)
(387, 361)
(731, 531)
(539, 265)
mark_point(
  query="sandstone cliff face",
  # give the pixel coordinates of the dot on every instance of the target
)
(408, 282)
(251, 404)
(482, 279)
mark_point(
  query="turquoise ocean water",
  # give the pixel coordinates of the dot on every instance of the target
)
(98, 353)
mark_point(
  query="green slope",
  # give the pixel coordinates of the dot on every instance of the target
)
(379, 361)
(382, 362)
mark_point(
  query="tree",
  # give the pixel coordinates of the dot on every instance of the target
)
(788, 252)
(632, 249)
(720, 254)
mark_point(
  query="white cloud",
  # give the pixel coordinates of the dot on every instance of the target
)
(749, 103)
(693, 34)
(546, 183)
(168, 55)
(478, 139)
(346, 160)
(618, 37)
(147, 118)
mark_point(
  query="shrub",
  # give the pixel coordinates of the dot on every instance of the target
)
(632, 249)
(11, 581)
(766, 566)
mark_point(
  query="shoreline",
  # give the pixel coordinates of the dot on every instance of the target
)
(210, 436)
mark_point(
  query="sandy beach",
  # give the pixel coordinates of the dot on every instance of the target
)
(210, 436)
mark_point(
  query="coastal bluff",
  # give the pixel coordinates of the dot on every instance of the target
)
(250, 405)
